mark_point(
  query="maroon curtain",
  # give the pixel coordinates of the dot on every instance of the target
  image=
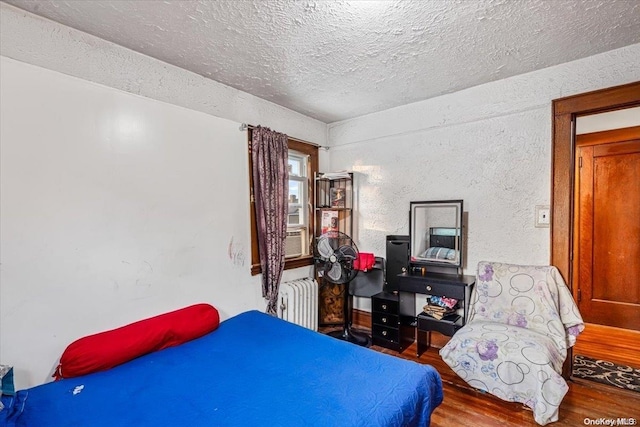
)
(270, 157)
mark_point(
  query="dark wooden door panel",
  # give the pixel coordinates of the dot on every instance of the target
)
(608, 221)
(616, 228)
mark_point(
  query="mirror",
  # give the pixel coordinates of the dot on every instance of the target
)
(436, 233)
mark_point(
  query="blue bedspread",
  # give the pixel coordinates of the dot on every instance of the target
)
(254, 370)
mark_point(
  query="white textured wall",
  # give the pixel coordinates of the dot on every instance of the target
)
(115, 206)
(489, 145)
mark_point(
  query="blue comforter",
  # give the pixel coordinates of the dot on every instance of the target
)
(254, 370)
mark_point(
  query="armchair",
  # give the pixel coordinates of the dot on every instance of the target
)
(522, 321)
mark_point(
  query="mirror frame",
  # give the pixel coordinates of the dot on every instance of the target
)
(416, 233)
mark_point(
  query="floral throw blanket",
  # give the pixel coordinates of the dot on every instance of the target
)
(522, 321)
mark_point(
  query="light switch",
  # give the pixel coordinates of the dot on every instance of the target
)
(543, 216)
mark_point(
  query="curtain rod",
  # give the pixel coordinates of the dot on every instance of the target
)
(245, 126)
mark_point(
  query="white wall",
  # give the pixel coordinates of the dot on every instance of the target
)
(116, 206)
(489, 145)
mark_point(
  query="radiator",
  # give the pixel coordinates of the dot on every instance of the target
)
(299, 302)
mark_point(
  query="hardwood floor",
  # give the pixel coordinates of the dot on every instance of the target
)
(621, 346)
(465, 406)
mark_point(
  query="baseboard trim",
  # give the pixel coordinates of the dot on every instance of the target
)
(361, 319)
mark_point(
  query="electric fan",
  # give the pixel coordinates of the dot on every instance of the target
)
(335, 256)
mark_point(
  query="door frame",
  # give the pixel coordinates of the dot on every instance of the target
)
(564, 112)
(563, 152)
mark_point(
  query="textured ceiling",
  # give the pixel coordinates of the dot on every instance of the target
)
(334, 60)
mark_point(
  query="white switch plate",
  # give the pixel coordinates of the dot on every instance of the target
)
(543, 216)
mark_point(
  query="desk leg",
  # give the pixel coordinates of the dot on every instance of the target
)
(423, 339)
(467, 302)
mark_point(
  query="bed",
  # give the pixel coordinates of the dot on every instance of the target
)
(442, 245)
(253, 370)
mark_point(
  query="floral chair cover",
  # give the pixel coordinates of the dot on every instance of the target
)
(522, 321)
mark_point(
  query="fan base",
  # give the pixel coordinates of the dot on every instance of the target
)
(348, 334)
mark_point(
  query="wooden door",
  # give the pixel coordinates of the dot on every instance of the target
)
(607, 285)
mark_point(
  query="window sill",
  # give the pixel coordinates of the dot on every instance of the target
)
(289, 264)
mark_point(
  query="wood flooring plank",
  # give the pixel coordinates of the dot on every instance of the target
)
(621, 346)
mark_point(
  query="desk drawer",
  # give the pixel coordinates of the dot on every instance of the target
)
(386, 333)
(385, 319)
(421, 286)
(427, 323)
(376, 340)
(384, 306)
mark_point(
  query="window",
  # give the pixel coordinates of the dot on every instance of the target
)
(303, 165)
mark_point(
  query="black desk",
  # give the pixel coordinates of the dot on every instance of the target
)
(436, 284)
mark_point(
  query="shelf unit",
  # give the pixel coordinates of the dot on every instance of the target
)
(333, 212)
(334, 196)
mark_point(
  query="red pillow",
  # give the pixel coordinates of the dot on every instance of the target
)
(107, 349)
(364, 262)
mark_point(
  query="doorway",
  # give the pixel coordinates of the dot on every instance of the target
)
(607, 227)
(564, 189)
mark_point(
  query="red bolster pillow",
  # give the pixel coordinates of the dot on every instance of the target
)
(107, 349)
